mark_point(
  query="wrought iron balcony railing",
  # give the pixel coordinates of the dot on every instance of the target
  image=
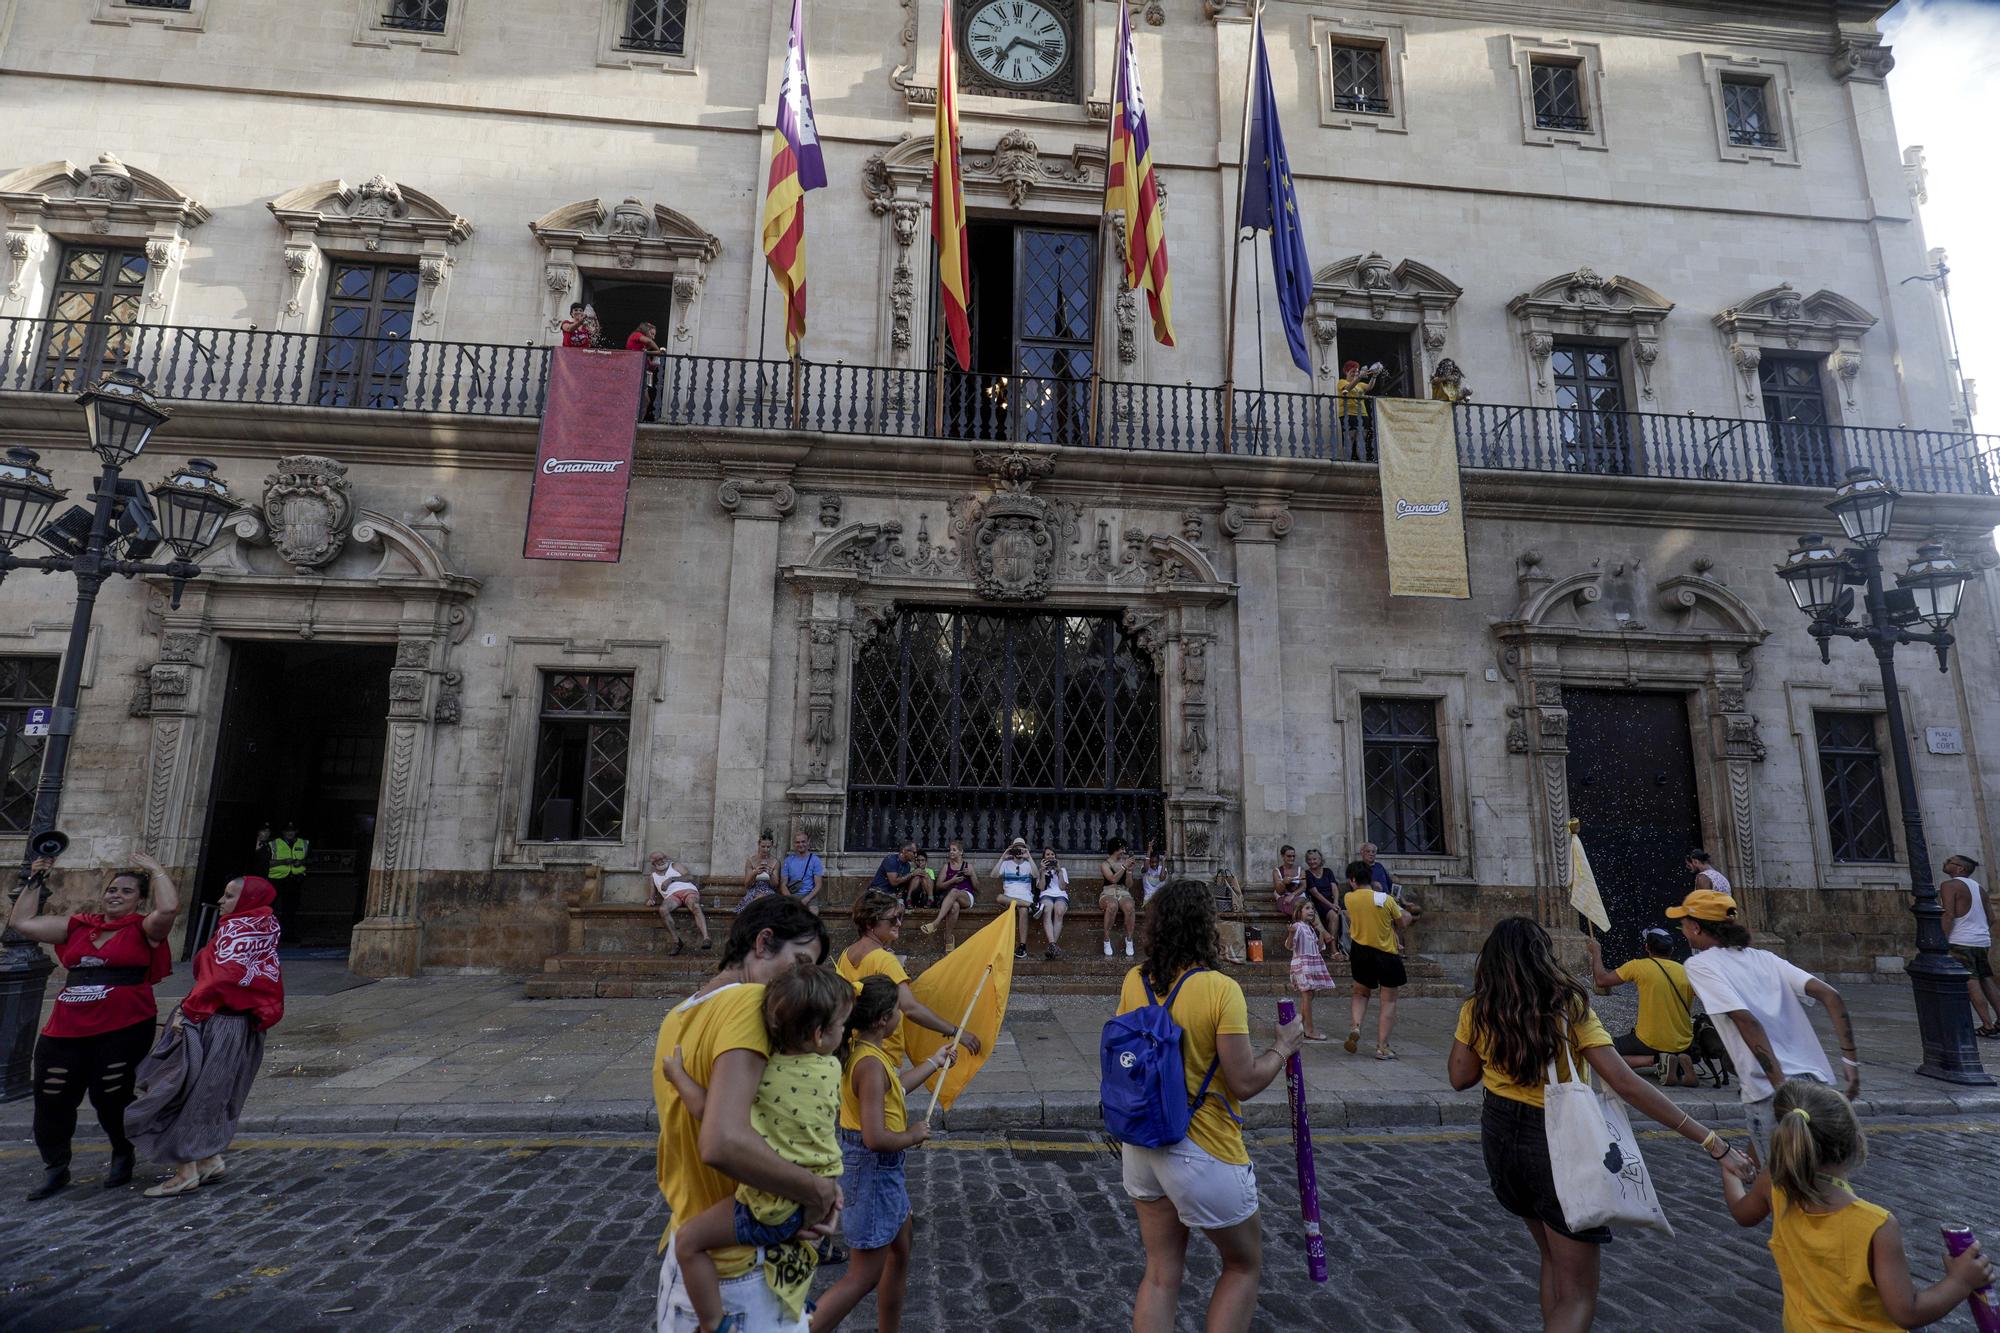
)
(258, 367)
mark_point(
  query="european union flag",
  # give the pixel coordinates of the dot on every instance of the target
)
(1270, 204)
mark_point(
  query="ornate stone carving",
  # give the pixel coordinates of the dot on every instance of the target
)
(160, 780)
(413, 652)
(822, 660)
(307, 504)
(903, 281)
(829, 510)
(1267, 522)
(448, 708)
(1740, 737)
(1862, 58)
(629, 219)
(1369, 287)
(1013, 548)
(1191, 525)
(1917, 175)
(1846, 367)
(1645, 353)
(405, 687)
(180, 646)
(756, 498)
(1194, 709)
(1825, 323)
(1017, 164)
(378, 197)
(107, 179)
(1584, 303)
(1540, 347)
(1548, 693)
(1729, 698)
(1517, 732)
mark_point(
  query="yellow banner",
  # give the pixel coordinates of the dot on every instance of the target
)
(1423, 511)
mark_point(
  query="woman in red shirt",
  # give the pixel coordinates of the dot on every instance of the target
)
(102, 1024)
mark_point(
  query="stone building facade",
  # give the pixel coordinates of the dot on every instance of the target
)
(1478, 180)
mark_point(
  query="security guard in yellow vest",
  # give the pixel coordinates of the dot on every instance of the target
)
(287, 874)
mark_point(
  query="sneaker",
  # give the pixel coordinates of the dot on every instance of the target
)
(1107, 948)
(1020, 951)
(1128, 948)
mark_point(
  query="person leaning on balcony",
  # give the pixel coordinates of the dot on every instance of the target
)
(1448, 383)
(580, 329)
(1354, 387)
(102, 1022)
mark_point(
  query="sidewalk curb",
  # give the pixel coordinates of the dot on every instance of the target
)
(1000, 1112)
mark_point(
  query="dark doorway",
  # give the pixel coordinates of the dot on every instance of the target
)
(1372, 343)
(1795, 409)
(1632, 784)
(1033, 315)
(301, 738)
(623, 306)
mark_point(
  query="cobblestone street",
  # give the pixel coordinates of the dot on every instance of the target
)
(386, 1233)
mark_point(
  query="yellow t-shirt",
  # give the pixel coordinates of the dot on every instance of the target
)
(878, 963)
(1210, 1005)
(895, 1113)
(1823, 1262)
(1353, 397)
(1666, 1003)
(1372, 924)
(1590, 1032)
(704, 1028)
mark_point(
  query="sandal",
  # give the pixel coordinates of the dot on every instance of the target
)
(1384, 1053)
(1317, 1036)
(1353, 1042)
(173, 1185)
(209, 1174)
(929, 927)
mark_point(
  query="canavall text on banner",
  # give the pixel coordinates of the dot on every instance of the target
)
(584, 465)
(1423, 510)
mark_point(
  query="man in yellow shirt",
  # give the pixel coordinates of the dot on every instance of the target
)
(1665, 1029)
(1374, 953)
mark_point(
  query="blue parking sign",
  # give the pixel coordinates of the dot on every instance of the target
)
(37, 723)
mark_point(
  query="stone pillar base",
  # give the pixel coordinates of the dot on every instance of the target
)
(384, 947)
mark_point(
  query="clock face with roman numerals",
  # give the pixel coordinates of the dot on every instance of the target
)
(1017, 43)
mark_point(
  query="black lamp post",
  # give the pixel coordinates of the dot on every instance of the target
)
(117, 535)
(1928, 594)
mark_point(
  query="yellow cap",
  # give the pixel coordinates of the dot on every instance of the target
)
(1705, 905)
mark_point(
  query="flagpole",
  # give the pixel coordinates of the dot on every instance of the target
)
(1236, 227)
(937, 1089)
(763, 330)
(1104, 229)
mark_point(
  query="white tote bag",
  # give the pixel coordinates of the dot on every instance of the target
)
(1601, 1179)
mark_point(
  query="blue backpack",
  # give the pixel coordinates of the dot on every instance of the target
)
(1142, 1080)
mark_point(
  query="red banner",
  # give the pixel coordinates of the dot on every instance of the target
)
(584, 465)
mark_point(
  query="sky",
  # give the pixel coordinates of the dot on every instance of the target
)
(1945, 95)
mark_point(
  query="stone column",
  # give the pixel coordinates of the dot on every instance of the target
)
(743, 722)
(388, 942)
(1256, 524)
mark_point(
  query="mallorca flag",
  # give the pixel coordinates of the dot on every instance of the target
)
(948, 203)
(1131, 188)
(796, 166)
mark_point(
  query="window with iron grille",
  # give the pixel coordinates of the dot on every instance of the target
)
(1559, 96)
(415, 15)
(24, 683)
(1850, 777)
(1745, 107)
(984, 726)
(581, 757)
(93, 310)
(1358, 80)
(656, 25)
(1400, 776)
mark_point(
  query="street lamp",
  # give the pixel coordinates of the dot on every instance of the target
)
(1927, 593)
(116, 535)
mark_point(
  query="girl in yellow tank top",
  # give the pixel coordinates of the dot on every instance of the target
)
(1840, 1257)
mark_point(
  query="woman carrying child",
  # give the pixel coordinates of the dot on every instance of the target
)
(1840, 1257)
(797, 1105)
(1309, 941)
(875, 1132)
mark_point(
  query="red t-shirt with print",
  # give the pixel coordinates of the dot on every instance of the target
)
(84, 1009)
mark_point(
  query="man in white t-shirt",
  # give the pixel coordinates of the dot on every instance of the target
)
(1757, 1001)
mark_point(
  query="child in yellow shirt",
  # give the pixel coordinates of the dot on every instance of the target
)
(796, 1111)
(1840, 1257)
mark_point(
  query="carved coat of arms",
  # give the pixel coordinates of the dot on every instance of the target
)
(1014, 536)
(307, 506)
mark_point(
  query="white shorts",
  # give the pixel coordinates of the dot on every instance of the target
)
(1208, 1193)
(1022, 896)
(749, 1298)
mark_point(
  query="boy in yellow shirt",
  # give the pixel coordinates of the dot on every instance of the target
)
(1664, 1031)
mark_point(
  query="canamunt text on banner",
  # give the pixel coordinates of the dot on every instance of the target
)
(1423, 509)
(583, 467)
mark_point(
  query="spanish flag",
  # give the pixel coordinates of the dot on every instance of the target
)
(969, 984)
(796, 166)
(1131, 188)
(948, 203)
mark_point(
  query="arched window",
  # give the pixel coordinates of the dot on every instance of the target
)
(984, 725)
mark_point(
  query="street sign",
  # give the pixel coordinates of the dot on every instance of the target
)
(1938, 740)
(37, 723)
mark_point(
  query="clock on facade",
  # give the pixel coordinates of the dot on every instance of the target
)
(1017, 46)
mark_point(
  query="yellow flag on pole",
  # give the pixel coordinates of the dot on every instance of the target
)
(1583, 894)
(981, 967)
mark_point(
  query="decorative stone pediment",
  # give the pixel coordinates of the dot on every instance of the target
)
(1614, 597)
(307, 504)
(1825, 324)
(1585, 304)
(1016, 171)
(1368, 287)
(107, 203)
(380, 220)
(630, 241)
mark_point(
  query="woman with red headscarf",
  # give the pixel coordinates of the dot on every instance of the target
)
(104, 1016)
(193, 1086)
